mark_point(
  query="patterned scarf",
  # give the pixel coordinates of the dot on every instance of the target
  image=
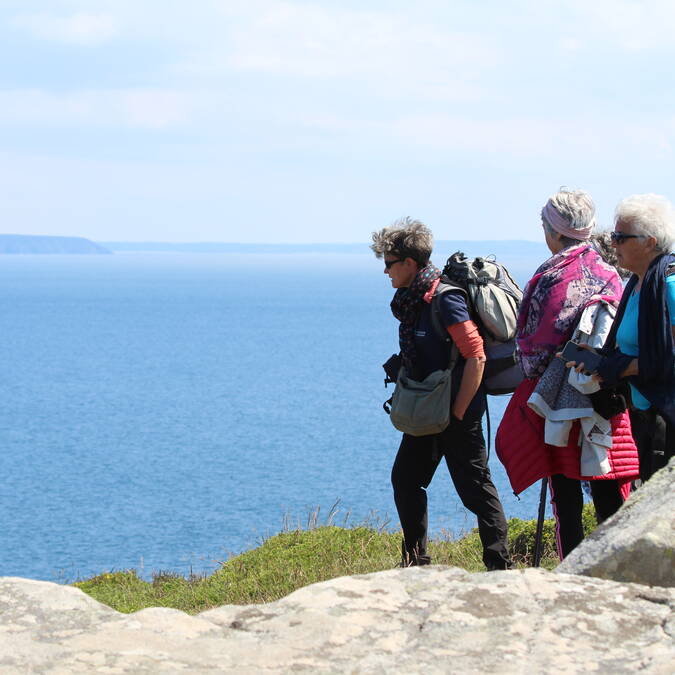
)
(554, 299)
(406, 307)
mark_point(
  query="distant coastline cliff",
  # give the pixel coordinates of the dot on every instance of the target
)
(33, 244)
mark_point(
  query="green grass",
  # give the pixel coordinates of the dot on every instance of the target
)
(294, 559)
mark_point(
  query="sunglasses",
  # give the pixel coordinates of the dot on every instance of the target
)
(621, 237)
(389, 263)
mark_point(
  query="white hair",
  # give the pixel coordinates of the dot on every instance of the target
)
(649, 214)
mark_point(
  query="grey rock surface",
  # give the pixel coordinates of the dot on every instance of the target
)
(430, 620)
(638, 542)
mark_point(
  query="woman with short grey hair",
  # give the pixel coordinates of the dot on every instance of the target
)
(641, 346)
(406, 248)
(551, 429)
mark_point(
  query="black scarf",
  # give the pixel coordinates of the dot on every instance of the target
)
(656, 361)
(406, 307)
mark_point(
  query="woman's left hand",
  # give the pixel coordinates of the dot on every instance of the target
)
(632, 369)
(457, 413)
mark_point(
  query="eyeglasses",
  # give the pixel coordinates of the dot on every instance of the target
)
(621, 237)
(389, 263)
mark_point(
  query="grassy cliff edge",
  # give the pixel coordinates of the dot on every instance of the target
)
(293, 559)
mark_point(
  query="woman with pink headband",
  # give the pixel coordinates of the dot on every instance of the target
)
(553, 427)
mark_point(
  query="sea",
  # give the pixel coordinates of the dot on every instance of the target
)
(164, 411)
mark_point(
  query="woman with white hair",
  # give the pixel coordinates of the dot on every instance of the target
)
(552, 429)
(640, 347)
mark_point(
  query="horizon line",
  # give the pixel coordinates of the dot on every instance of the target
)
(281, 243)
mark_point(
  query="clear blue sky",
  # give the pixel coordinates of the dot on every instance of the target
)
(266, 121)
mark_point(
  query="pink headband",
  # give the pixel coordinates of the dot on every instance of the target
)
(551, 215)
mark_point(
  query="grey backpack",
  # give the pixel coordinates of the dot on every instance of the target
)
(493, 299)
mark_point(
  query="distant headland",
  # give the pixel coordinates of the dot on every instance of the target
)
(33, 244)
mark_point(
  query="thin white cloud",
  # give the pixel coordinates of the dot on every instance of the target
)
(315, 41)
(81, 28)
(385, 54)
(134, 108)
(621, 26)
(567, 138)
(632, 25)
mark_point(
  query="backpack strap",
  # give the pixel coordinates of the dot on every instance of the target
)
(445, 286)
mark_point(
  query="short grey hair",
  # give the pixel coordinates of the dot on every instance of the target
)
(404, 238)
(575, 206)
(649, 214)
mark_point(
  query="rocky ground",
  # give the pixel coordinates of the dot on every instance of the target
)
(431, 620)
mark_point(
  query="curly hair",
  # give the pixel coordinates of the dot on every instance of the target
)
(404, 238)
(603, 245)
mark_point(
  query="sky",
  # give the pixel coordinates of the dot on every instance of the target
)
(269, 121)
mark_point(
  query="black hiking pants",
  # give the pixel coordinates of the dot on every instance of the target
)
(655, 440)
(463, 447)
(567, 500)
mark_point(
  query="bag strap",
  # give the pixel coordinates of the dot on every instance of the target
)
(445, 286)
(440, 331)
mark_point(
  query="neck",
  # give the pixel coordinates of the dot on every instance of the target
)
(643, 268)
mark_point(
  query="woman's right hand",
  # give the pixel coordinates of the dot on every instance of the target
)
(580, 366)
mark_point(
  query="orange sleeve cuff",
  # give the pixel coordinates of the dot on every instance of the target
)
(467, 338)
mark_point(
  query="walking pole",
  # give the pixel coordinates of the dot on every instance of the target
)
(540, 523)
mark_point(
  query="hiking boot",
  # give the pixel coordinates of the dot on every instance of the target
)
(414, 559)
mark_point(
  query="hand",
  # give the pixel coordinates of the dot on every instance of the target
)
(632, 369)
(579, 366)
(459, 414)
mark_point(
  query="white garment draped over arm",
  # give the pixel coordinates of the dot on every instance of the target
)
(595, 435)
(592, 329)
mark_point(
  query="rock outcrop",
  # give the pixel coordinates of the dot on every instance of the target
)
(638, 542)
(431, 620)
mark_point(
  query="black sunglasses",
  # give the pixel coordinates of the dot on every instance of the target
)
(620, 237)
(389, 263)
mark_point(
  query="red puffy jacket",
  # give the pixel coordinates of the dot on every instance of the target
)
(520, 447)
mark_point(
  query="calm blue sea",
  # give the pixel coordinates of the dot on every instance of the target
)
(163, 411)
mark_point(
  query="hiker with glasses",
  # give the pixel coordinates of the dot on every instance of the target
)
(555, 427)
(640, 348)
(406, 248)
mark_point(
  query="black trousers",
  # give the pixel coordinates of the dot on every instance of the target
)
(463, 447)
(655, 440)
(568, 501)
